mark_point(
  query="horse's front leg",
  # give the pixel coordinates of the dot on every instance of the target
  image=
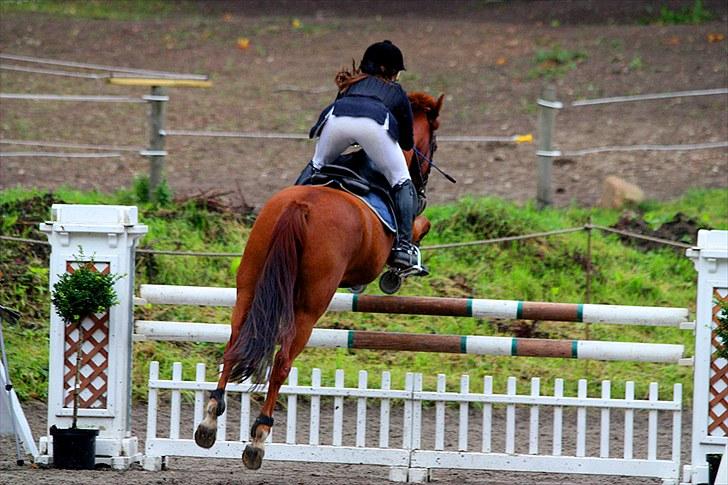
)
(263, 424)
(420, 228)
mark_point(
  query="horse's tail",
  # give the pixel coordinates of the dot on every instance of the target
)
(270, 319)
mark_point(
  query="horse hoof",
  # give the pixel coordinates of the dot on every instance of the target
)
(253, 457)
(390, 282)
(358, 289)
(205, 436)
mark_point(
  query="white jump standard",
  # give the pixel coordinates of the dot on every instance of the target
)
(109, 235)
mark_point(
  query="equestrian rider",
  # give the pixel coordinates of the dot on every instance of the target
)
(373, 111)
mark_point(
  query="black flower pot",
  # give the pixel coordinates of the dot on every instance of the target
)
(74, 448)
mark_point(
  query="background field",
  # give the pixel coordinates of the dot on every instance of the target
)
(489, 58)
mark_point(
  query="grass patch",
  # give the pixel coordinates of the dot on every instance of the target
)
(692, 14)
(550, 269)
(556, 62)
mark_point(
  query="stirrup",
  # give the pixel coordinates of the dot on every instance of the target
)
(410, 268)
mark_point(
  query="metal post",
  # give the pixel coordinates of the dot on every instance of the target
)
(587, 296)
(589, 227)
(9, 385)
(156, 152)
(547, 106)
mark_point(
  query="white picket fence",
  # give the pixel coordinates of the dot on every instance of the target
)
(405, 443)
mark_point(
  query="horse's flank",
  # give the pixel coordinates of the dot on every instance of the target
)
(308, 249)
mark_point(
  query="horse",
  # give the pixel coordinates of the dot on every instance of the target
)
(306, 242)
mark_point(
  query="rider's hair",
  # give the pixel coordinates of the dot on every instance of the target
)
(345, 77)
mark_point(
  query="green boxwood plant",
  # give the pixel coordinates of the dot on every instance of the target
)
(79, 295)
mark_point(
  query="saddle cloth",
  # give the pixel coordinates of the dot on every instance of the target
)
(354, 173)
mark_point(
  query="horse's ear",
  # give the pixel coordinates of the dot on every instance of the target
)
(438, 105)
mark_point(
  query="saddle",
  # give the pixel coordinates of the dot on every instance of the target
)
(355, 173)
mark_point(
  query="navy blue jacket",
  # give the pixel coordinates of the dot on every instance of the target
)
(374, 98)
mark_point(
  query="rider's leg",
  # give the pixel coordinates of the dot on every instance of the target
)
(341, 131)
(405, 254)
(336, 136)
(331, 143)
(389, 159)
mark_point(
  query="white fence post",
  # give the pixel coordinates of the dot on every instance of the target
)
(710, 410)
(108, 234)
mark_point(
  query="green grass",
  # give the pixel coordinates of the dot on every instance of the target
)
(555, 62)
(550, 269)
(694, 14)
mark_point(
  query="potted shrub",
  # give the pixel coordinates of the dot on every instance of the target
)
(77, 296)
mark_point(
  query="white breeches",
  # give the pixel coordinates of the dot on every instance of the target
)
(340, 132)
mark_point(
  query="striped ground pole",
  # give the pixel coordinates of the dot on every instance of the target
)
(458, 344)
(437, 306)
(510, 309)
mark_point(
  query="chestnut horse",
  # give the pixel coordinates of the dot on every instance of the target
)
(306, 242)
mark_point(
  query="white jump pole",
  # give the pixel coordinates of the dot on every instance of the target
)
(437, 306)
(462, 344)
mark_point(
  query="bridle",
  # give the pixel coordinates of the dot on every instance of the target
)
(420, 177)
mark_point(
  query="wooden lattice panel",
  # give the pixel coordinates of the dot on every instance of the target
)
(718, 405)
(93, 384)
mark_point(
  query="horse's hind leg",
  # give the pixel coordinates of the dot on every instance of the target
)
(254, 451)
(206, 432)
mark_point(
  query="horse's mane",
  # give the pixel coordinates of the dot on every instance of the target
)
(422, 102)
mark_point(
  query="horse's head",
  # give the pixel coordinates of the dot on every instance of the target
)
(426, 111)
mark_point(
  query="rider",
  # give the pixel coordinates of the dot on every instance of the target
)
(373, 111)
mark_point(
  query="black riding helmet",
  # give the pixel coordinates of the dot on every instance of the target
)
(382, 58)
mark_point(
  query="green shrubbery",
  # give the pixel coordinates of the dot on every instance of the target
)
(551, 269)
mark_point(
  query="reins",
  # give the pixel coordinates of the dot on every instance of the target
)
(420, 157)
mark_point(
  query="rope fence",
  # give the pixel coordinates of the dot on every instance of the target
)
(549, 105)
(648, 97)
(634, 148)
(527, 138)
(99, 67)
(5, 141)
(52, 72)
(60, 155)
(75, 97)
(482, 242)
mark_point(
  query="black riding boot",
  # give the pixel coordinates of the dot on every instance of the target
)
(404, 254)
(308, 171)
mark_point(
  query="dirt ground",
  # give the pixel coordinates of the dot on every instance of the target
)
(480, 54)
(228, 471)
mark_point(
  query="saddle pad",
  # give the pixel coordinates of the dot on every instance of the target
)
(380, 208)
